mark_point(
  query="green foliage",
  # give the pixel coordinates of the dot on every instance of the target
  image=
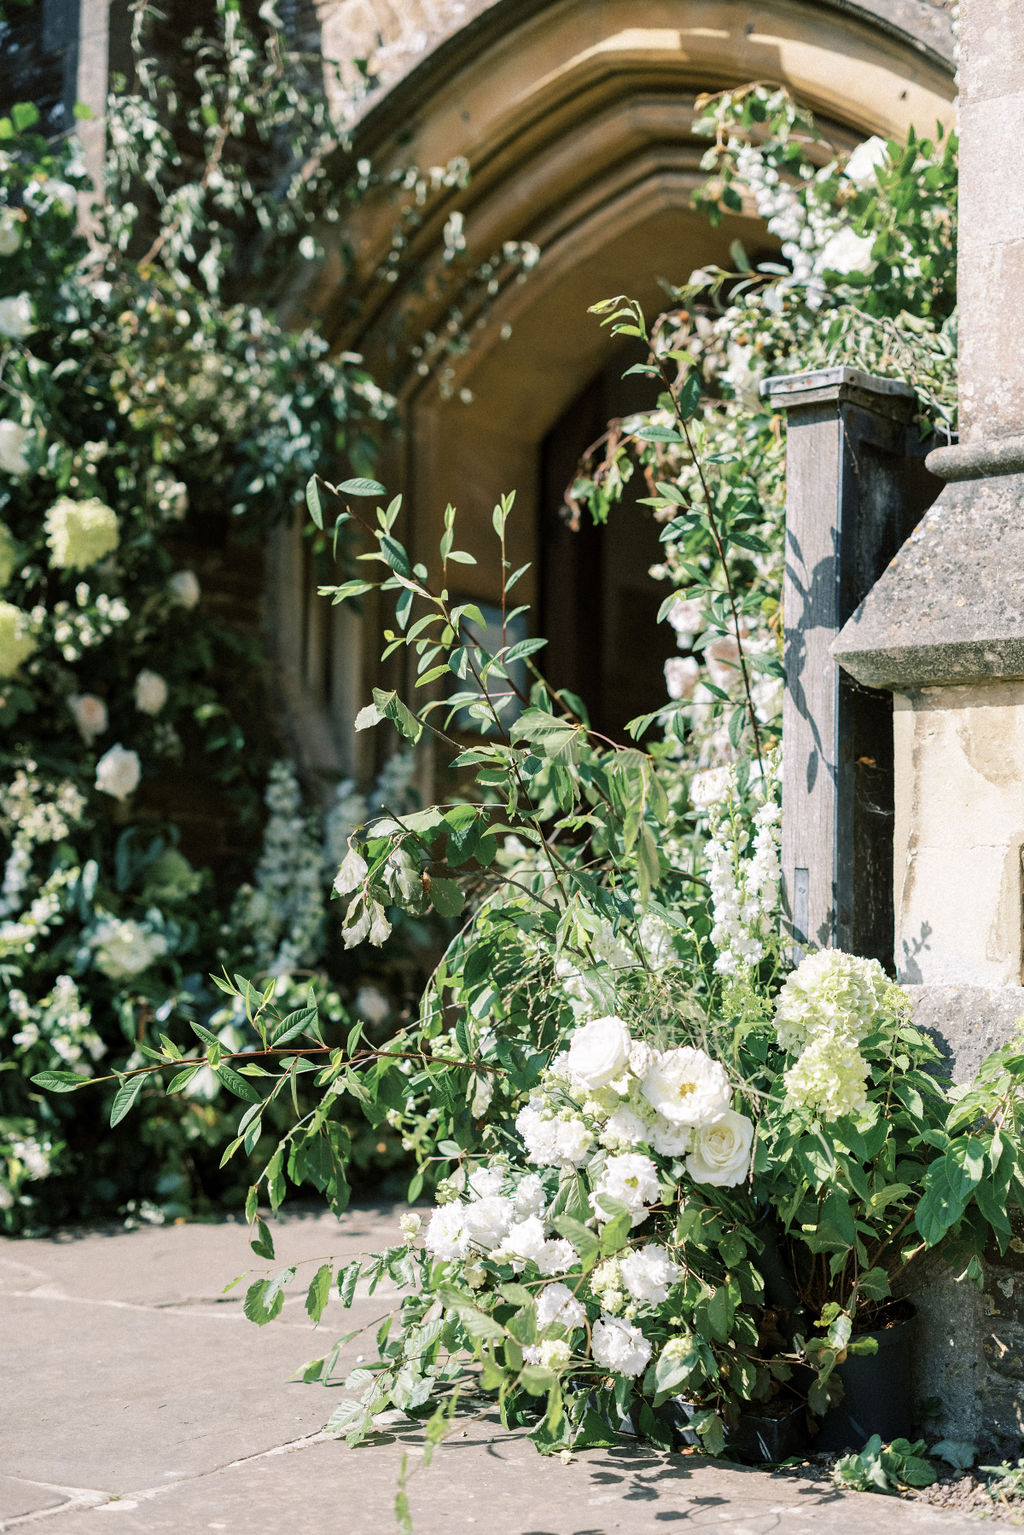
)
(885, 1468)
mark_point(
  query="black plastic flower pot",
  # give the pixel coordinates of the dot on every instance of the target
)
(876, 1392)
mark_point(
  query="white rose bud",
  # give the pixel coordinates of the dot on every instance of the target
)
(16, 316)
(150, 692)
(89, 714)
(12, 447)
(118, 772)
(183, 588)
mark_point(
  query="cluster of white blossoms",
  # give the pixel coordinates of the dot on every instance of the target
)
(124, 948)
(744, 889)
(830, 1003)
(623, 1113)
(80, 532)
(609, 1095)
(282, 912)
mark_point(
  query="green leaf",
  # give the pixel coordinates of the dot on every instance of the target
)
(582, 1238)
(446, 897)
(360, 487)
(395, 555)
(319, 1292)
(237, 1084)
(125, 1098)
(24, 114)
(60, 1081)
(313, 502)
(262, 1243)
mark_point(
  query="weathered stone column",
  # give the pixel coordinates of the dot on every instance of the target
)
(943, 630)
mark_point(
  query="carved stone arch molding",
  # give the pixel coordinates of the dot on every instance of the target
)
(575, 119)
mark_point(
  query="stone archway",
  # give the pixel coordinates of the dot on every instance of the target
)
(575, 119)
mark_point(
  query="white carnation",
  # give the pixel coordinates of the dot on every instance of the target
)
(618, 1346)
(599, 1052)
(687, 1086)
(648, 1273)
(447, 1234)
(721, 1152)
(632, 1179)
(558, 1307)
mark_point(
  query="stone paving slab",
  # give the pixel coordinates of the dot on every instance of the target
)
(137, 1397)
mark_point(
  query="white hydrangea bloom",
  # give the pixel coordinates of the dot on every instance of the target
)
(830, 1078)
(687, 1086)
(721, 1152)
(648, 1273)
(830, 991)
(619, 1346)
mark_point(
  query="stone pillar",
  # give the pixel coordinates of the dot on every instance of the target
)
(943, 630)
(855, 488)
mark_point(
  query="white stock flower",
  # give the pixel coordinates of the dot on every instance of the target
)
(721, 1152)
(632, 1179)
(13, 439)
(687, 1086)
(681, 674)
(150, 692)
(599, 1052)
(447, 1235)
(89, 714)
(557, 1306)
(863, 162)
(118, 772)
(648, 1273)
(619, 1346)
(552, 1142)
(16, 318)
(183, 588)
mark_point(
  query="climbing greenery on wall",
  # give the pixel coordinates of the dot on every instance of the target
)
(153, 417)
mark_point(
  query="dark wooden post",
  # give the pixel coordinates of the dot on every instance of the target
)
(856, 488)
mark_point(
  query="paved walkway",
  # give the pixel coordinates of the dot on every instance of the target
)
(137, 1398)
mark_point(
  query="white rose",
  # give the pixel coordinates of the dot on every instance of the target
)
(89, 714)
(10, 232)
(860, 167)
(150, 692)
(488, 1219)
(681, 673)
(16, 316)
(447, 1234)
(846, 252)
(686, 615)
(619, 1346)
(183, 588)
(721, 1152)
(118, 772)
(687, 1086)
(599, 1052)
(12, 447)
